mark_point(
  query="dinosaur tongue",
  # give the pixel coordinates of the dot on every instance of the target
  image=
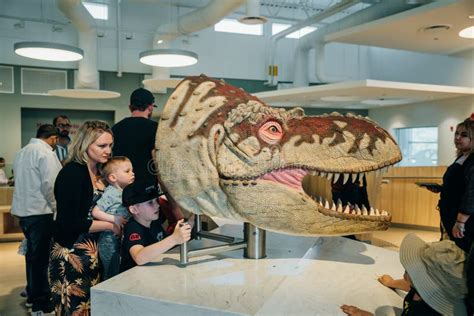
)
(290, 177)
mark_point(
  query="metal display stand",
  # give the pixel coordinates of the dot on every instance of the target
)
(253, 243)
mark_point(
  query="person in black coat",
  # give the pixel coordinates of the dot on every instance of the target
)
(74, 261)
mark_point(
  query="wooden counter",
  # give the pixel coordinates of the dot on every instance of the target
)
(409, 203)
(9, 226)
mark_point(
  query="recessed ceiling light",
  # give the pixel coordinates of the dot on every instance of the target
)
(168, 58)
(340, 98)
(468, 32)
(48, 51)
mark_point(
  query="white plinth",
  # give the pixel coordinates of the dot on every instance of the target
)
(300, 276)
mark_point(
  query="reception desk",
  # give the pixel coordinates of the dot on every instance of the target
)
(299, 276)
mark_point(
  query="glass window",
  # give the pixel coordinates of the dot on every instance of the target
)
(234, 26)
(419, 146)
(98, 11)
(278, 27)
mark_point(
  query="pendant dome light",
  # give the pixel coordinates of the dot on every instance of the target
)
(168, 57)
(48, 51)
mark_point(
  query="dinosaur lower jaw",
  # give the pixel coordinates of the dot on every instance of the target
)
(293, 178)
(278, 207)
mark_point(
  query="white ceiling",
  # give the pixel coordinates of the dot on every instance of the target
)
(400, 31)
(146, 15)
(406, 30)
(364, 94)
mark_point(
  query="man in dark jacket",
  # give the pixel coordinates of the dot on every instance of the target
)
(134, 136)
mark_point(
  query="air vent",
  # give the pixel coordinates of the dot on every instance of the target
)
(40, 81)
(436, 29)
(253, 20)
(6, 79)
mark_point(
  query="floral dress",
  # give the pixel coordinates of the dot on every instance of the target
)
(72, 272)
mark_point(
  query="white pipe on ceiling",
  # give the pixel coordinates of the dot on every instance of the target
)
(119, 39)
(315, 40)
(252, 13)
(87, 75)
(191, 22)
(197, 20)
(338, 7)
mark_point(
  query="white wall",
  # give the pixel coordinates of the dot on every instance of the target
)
(442, 114)
(10, 118)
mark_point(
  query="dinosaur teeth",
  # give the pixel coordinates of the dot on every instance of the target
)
(354, 177)
(347, 210)
(334, 177)
(364, 210)
(346, 177)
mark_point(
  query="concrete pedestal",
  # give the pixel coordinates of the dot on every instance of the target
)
(299, 276)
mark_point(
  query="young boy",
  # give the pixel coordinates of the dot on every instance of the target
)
(118, 172)
(144, 238)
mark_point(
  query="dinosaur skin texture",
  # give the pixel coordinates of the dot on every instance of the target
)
(222, 152)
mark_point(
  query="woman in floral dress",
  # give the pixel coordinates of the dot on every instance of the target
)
(74, 265)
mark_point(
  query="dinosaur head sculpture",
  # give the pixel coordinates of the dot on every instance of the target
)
(225, 153)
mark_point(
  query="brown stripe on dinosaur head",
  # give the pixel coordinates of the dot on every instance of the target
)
(234, 96)
(334, 127)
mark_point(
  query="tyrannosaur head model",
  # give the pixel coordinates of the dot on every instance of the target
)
(225, 153)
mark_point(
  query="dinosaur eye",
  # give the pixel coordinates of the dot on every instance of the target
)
(271, 132)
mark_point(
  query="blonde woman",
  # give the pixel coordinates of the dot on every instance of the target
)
(74, 266)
